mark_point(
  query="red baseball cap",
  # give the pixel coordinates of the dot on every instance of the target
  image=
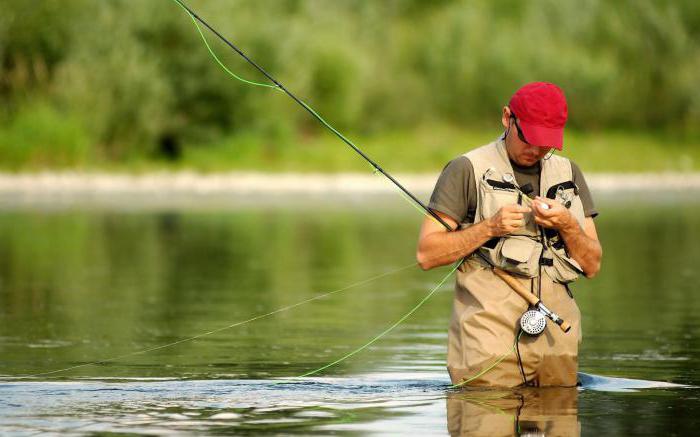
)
(540, 108)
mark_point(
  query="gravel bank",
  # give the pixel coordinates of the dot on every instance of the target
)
(41, 184)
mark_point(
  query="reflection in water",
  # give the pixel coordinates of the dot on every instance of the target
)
(528, 411)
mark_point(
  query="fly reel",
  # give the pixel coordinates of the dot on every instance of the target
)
(533, 322)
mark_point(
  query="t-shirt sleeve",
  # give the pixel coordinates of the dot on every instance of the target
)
(455, 191)
(583, 191)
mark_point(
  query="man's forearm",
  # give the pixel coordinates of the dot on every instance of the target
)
(441, 248)
(582, 248)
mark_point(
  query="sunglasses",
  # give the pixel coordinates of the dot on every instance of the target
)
(521, 136)
(517, 127)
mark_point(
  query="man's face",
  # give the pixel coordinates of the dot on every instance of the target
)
(520, 151)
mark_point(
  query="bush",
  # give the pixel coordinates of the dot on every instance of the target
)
(140, 82)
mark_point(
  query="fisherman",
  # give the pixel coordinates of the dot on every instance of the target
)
(530, 213)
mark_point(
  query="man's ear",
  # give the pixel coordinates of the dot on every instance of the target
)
(505, 118)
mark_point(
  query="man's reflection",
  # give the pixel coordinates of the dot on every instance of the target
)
(522, 412)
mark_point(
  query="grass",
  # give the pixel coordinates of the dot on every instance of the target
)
(41, 138)
(428, 148)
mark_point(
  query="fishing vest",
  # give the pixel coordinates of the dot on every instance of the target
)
(531, 247)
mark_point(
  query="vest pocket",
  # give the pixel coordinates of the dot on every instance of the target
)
(494, 195)
(563, 268)
(516, 254)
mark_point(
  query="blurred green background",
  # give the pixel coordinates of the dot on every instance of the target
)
(129, 86)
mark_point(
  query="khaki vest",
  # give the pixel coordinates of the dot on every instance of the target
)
(486, 310)
(522, 252)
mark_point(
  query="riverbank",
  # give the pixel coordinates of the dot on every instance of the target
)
(423, 149)
(251, 183)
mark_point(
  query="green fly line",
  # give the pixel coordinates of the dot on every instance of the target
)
(216, 58)
(376, 170)
(413, 202)
(233, 325)
(387, 330)
(494, 364)
(410, 202)
(266, 85)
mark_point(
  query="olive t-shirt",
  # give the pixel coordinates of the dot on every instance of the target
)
(455, 192)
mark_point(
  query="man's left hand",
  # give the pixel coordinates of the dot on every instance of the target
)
(556, 216)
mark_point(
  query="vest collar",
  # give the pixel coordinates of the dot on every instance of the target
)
(506, 162)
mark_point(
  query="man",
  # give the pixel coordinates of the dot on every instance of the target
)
(529, 212)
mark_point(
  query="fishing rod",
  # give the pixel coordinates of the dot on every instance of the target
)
(371, 162)
(533, 323)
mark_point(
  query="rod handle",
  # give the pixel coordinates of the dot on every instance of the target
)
(525, 294)
(517, 286)
(565, 326)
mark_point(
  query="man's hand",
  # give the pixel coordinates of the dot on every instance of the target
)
(554, 215)
(581, 242)
(508, 219)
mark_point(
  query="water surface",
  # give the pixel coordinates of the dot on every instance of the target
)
(80, 283)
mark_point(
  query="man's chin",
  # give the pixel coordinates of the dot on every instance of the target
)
(527, 162)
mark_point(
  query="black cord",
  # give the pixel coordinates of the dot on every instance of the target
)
(539, 280)
(542, 236)
(520, 360)
(517, 344)
(539, 295)
(517, 412)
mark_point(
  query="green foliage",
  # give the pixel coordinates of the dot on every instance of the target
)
(135, 75)
(40, 136)
(35, 37)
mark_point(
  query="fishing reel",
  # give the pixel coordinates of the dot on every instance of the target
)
(533, 322)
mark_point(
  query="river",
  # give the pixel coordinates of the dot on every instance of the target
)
(81, 283)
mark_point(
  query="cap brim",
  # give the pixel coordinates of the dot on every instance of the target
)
(542, 136)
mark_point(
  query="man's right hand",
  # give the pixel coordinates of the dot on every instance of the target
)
(508, 219)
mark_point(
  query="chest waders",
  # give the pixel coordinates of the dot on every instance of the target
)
(487, 315)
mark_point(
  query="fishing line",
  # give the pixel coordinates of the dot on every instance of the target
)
(410, 202)
(311, 111)
(494, 364)
(252, 319)
(387, 330)
(206, 43)
(407, 195)
(233, 325)
(376, 169)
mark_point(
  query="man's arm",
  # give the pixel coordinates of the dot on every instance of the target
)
(582, 243)
(437, 246)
